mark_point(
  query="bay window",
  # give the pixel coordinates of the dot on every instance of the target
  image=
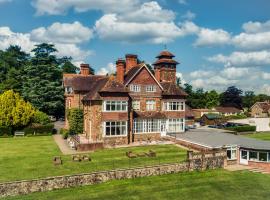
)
(114, 106)
(147, 125)
(115, 128)
(150, 105)
(174, 106)
(175, 125)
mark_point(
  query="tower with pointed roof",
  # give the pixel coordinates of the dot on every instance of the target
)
(165, 67)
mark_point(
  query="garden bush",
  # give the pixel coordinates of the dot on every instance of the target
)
(75, 120)
(36, 129)
(64, 133)
(242, 128)
(5, 131)
(41, 118)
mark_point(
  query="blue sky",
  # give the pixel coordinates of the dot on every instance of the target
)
(218, 43)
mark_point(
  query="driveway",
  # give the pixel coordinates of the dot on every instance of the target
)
(216, 138)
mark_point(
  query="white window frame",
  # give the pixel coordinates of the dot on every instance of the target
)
(233, 151)
(68, 90)
(258, 156)
(175, 125)
(113, 125)
(117, 104)
(135, 88)
(151, 88)
(150, 105)
(174, 106)
(136, 105)
(141, 126)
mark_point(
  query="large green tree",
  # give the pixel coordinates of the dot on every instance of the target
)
(42, 85)
(232, 97)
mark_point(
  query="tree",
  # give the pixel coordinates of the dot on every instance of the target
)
(69, 68)
(75, 119)
(249, 99)
(14, 111)
(42, 82)
(212, 99)
(232, 97)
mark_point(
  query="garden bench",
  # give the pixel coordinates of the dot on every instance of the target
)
(18, 133)
(78, 158)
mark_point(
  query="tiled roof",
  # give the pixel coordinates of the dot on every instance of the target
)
(131, 73)
(265, 106)
(148, 114)
(172, 89)
(113, 86)
(165, 61)
(80, 82)
(212, 116)
(227, 110)
(165, 53)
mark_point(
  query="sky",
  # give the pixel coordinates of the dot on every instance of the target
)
(219, 43)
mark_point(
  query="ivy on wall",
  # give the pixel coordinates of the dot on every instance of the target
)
(75, 120)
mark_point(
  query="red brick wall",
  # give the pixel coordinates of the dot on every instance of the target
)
(263, 165)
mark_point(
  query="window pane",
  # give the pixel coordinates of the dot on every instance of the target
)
(253, 155)
(229, 154)
(262, 156)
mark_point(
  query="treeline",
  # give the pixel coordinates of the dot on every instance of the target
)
(37, 77)
(233, 96)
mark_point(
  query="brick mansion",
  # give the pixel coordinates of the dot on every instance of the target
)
(136, 104)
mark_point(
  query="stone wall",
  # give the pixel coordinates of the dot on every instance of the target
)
(195, 161)
(146, 137)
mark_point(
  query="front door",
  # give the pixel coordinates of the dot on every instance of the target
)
(163, 129)
(244, 157)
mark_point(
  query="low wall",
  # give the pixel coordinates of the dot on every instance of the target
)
(262, 165)
(195, 161)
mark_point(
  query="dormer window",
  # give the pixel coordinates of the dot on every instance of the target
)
(69, 90)
(150, 88)
(135, 88)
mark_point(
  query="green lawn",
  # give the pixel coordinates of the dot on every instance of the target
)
(31, 157)
(260, 136)
(209, 185)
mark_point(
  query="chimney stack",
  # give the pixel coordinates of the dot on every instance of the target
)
(131, 61)
(120, 70)
(84, 68)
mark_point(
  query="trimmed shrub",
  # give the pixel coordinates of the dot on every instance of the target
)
(5, 131)
(242, 128)
(35, 129)
(64, 133)
(75, 120)
(41, 118)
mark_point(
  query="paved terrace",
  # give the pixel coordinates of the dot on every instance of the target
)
(216, 138)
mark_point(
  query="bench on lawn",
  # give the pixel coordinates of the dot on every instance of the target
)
(18, 133)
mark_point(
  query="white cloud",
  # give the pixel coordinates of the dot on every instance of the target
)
(200, 74)
(110, 68)
(109, 27)
(248, 59)
(57, 7)
(266, 76)
(180, 75)
(252, 41)
(183, 2)
(235, 72)
(148, 12)
(209, 37)
(265, 89)
(255, 27)
(189, 15)
(62, 33)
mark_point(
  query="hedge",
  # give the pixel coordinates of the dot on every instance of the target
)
(75, 120)
(242, 128)
(39, 129)
(5, 131)
(64, 133)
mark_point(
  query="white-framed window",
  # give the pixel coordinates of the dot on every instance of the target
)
(115, 128)
(175, 125)
(150, 105)
(135, 88)
(231, 153)
(174, 106)
(147, 125)
(136, 105)
(150, 88)
(115, 106)
(259, 156)
(69, 90)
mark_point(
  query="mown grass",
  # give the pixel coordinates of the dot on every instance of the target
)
(260, 136)
(31, 157)
(209, 185)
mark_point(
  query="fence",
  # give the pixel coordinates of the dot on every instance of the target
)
(195, 161)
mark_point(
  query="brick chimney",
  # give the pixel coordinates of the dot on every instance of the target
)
(131, 61)
(84, 68)
(120, 70)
